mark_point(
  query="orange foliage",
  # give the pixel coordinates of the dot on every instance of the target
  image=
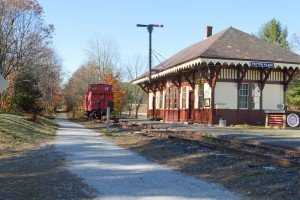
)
(119, 94)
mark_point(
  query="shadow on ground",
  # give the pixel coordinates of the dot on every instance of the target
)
(254, 179)
(40, 174)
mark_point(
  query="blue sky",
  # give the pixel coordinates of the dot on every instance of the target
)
(77, 21)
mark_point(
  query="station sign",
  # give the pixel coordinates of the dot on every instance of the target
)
(262, 64)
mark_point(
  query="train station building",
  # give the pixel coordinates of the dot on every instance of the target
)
(230, 75)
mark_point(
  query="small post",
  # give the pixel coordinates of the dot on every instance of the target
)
(107, 119)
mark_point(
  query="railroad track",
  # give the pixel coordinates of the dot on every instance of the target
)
(274, 155)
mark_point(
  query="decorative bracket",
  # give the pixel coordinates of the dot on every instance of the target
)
(214, 74)
(144, 87)
(176, 81)
(288, 77)
(264, 76)
(242, 71)
(203, 72)
(186, 76)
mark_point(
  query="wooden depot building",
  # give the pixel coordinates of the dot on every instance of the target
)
(230, 75)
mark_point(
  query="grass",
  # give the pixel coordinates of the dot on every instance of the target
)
(18, 132)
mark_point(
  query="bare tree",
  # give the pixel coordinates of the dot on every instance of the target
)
(77, 85)
(295, 42)
(49, 73)
(23, 35)
(103, 51)
(135, 95)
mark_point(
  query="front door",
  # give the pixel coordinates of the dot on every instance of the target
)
(191, 106)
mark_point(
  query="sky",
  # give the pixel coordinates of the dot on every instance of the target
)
(78, 21)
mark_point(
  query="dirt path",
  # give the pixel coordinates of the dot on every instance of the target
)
(117, 173)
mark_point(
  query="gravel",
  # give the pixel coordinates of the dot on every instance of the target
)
(116, 173)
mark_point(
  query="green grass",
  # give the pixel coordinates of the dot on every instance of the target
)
(17, 130)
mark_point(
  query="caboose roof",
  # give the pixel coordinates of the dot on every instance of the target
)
(231, 47)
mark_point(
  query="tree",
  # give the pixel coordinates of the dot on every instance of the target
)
(119, 93)
(24, 45)
(274, 33)
(103, 52)
(49, 73)
(103, 67)
(135, 95)
(27, 95)
(77, 85)
(23, 35)
(293, 94)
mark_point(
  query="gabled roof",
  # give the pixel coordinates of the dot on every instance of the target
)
(230, 44)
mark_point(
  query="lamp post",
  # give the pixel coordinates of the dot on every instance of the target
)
(150, 29)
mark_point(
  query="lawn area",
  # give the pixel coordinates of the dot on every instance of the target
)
(17, 132)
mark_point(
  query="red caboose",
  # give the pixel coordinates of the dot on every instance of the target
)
(97, 99)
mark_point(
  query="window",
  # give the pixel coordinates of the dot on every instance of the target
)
(243, 96)
(170, 98)
(175, 97)
(201, 96)
(166, 100)
(161, 100)
(183, 97)
(255, 96)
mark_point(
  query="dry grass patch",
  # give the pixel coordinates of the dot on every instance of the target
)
(17, 132)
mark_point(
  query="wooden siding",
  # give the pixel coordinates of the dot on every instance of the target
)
(229, 73)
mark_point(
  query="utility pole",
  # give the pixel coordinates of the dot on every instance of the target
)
(150, 29)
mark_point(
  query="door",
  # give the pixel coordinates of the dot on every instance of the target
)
(191, 106)
(153, 106)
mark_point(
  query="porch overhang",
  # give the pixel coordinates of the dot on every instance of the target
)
(211, 61)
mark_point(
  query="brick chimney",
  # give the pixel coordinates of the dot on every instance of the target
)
(207, 31)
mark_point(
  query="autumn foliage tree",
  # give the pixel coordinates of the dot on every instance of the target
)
(25, 45)
(102, 67)
(119, 93)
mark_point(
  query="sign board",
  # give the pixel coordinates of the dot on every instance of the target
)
(3, 84)
(262, 64)
(292, 120)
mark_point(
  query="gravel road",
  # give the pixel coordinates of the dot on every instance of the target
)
(117, 173)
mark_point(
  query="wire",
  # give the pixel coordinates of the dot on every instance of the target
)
(159, 54)
(154, 53)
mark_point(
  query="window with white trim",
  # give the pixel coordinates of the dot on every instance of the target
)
(183, 97)
(170, 98)
(243, 96)
(255, 96)
(201, 96)
(160, 100)
(175, 97)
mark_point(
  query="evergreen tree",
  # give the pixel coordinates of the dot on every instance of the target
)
(27, 95)
(274, 33)
(293, 94)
